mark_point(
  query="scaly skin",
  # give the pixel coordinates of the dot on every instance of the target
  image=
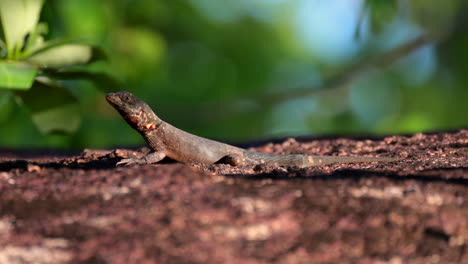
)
(168, 141)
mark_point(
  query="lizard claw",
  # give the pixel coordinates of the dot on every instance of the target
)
(130, 162)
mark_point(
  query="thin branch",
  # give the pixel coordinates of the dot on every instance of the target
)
(332, 85)
(347, 76)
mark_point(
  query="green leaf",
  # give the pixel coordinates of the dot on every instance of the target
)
(52, 44)
(6, 104)
(35, 39)
(63, 55)
(103, 81)
(53, 108)
(19, 17)
(3, 49)
(97, 52)
(15, 75)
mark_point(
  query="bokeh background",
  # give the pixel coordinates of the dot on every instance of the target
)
(240, 70)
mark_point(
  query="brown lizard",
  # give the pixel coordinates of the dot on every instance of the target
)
(166, 140)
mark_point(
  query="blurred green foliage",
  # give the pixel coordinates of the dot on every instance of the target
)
(239, 70)
(31, 67)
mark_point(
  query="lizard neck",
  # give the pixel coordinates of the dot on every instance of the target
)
(142, 120)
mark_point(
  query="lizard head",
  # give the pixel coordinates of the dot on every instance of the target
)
(136, 112)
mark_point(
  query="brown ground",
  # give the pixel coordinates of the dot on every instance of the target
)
(81, 209)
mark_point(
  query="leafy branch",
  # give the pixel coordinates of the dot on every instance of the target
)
(33, 66)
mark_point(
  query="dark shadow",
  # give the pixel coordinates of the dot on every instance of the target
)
(97, 164)
(355, 174)
(91, 165)
(11, 165)
(437, 234)
(275, 174)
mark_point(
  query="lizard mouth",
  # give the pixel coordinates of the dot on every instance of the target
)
(113, 98)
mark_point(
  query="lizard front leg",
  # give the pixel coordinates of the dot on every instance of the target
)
(152, 157)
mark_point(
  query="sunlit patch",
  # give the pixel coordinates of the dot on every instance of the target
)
(150, 126)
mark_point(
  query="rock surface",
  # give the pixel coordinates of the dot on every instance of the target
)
(62, 208)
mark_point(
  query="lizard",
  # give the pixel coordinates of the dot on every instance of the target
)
(166, 140)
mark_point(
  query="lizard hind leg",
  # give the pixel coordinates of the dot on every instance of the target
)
(231, 159)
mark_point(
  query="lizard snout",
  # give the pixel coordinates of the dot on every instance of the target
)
(113, 98)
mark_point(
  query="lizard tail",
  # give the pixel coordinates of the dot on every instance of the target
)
(303, 161)
(324, 160)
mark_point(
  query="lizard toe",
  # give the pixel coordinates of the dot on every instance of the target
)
(129, 162)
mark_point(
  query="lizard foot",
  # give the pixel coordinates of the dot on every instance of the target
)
(152, 157)
(130, 162)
